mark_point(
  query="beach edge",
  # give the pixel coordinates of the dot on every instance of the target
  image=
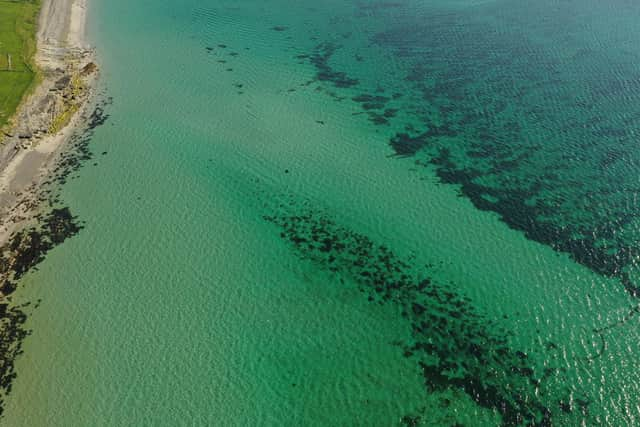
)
(49, 128)
(50, 114)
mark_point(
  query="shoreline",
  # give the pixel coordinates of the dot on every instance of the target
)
(38, 150)
(49, 115)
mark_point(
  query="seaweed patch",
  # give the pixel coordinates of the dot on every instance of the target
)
(78, 151)
(12, 334)
(25, 250)
(564, 190)
(320, 59)
(375, 106)
(454, 345)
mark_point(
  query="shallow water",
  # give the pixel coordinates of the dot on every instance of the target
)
(354, 213)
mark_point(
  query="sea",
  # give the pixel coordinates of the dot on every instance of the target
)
(347, 213)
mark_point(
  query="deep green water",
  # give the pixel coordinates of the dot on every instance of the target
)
(348, 213)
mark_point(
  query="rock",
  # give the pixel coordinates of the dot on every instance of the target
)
(89, 69)
(62, 83)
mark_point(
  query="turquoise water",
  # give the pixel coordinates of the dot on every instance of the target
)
(353, 213)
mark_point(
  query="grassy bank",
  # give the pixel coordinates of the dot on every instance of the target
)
(18, 21)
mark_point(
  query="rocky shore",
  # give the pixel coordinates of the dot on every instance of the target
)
(49, 115)
(46, 141)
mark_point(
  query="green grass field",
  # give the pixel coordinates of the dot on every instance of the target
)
(18, 19)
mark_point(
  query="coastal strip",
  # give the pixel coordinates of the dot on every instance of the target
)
(32, 151)
(50, 114)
